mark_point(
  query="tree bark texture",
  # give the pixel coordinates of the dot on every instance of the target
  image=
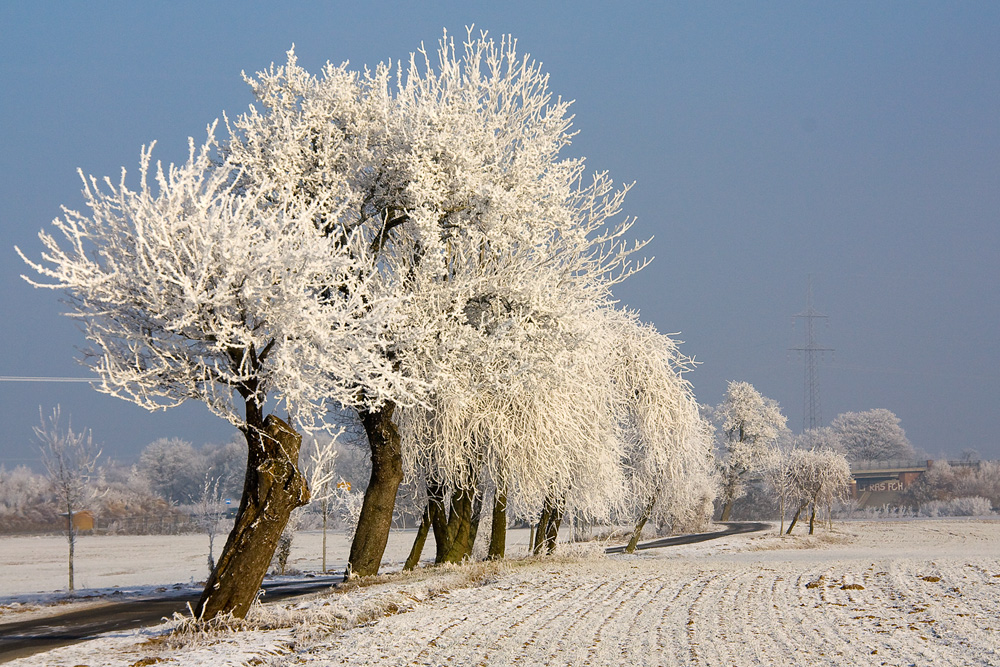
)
(380, 497)
(477, 516)
(543, 524)
(460, 526)
(727, 509)
(272, 489)
(637, 532)
(552, 530)
(498, 532)
(418, 542)
(436, 494)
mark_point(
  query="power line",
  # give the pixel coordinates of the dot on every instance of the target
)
(15, 378)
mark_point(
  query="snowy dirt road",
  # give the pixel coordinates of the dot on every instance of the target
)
(914, 593)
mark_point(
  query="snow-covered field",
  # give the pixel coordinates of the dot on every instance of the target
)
(902, 593)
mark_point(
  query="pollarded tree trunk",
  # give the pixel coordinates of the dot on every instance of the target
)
(477, 516)
(498, 532)
(380, 497)
(543, 526)
(459, 525)
(552, 530)
(272, 489)
(419, 540)
(436, 494)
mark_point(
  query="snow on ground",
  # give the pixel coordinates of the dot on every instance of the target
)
(906, 593)
(33, 570)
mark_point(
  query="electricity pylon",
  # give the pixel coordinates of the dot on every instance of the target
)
(812, 352)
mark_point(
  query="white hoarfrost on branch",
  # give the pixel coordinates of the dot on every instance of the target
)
(750, 424)
(70, 459)
(817, 477)
(199, 289)
(872, 435)
(406, 242)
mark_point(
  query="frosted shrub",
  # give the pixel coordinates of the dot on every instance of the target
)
(968, 506)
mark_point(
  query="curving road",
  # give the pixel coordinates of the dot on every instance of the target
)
(23, 638)
(732, 528)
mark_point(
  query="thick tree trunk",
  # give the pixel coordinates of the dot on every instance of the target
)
(542, 529)
(498, 532)
(552, 530)
(272, 489)
(380, 497)
(459, 525)
(439, 519)
(531, 539)
(556, 508)
(730, 487)
(727, 509)
(477, 516)
(418, 542)
(812, 518)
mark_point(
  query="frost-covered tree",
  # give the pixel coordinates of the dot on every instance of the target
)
(817, 476)
(174, 470)
(872, 435)
(668, 459)
(20, 490)
(453, 179)
(750, 424)
(197, 287)
(70, 459)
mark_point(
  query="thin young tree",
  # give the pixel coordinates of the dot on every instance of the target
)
(210, 511)
(70, 460)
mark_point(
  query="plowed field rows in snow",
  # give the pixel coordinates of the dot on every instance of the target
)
(916, 593)
(778, 607)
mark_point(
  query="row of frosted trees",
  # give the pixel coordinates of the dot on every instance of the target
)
(406, 245)
(808, 475)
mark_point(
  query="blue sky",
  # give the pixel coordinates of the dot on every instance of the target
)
(858, 142)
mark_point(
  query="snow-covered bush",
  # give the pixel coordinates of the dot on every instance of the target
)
(967, 506)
